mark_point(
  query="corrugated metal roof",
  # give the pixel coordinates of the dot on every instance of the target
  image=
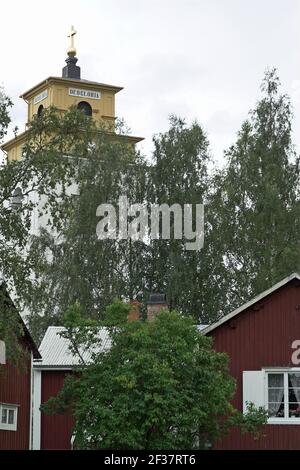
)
(201, 327)
(55, 351)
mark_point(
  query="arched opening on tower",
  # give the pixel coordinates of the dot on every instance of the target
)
(40, 110)
(16, 199)
(85, 107)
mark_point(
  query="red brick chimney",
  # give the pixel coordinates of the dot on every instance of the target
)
(157, 302)
(135, 311)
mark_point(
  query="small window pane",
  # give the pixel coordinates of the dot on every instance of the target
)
(276, 410)
(294, 394)
(294, 410)
(276, 395)
(294, 380)
(4, 416)
(275, 380)
(11, 416)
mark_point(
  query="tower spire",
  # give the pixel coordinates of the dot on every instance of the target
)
(71, 70)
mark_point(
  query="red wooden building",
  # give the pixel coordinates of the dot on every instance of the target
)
(262, 339)
(16, 394)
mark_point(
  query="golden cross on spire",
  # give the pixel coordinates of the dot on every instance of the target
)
(71, 49)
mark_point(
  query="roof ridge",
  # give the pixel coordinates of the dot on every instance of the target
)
(254, 300)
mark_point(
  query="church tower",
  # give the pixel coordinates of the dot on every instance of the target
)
(94, 99)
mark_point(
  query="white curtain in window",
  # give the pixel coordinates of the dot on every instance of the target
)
(295, 381)
(276, 392)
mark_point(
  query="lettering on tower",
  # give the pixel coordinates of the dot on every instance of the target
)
(94, 95)
(40, 97)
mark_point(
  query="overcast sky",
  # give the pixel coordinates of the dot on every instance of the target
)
(201, 59)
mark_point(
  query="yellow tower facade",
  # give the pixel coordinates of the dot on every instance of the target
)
(94, 99)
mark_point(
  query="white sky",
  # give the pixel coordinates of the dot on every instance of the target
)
(202, 59)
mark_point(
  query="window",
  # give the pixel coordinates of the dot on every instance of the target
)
(85, 108)
(8, 417)
(284, 395)
(277, 390)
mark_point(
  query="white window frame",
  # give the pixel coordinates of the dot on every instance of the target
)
(7, 426)
(285, 371)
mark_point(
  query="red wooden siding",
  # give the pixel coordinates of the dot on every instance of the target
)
(262, 336)
(56, 430)
(15, 389)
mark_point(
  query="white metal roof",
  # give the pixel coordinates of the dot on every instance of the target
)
(251, 302)
(201, 327)
(55, 351)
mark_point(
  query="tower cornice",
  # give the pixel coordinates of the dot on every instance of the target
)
(68, 81)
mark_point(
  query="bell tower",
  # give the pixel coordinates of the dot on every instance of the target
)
(93, 98)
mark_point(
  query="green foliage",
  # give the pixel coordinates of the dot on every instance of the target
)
(42, 172)
(159, 386)
(79, 330)
(116, 313)
(82, 268)
(10, 327)
(251, 214)
(11, 330)
(178, 176)
(94, 272)
(251, 420)
(258, 199)
(5, 104)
